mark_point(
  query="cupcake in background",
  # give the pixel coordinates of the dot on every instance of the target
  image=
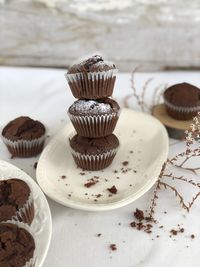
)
(93, 78)
(16, 201)
(182, 101)
(93, 153)
(24, 137)
(17, 246)
(94, 118)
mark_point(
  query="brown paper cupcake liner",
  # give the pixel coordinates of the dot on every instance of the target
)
(32, 261)
(181, 113)
(92, 85)
(25, 148)
(94, 162)
(94, 126)
(26, 213)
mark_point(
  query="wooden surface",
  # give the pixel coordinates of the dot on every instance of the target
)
(152, 34)
(175, 128)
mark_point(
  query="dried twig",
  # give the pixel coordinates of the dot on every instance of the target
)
(157, 95)
(144, 89)
(193, 200)
(125, 101)
(182, 178)
(140, 98)
(177, 194)
(155, 193)
(153, 201)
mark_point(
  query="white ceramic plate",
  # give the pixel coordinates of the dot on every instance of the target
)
(144, 144)
(41, 226)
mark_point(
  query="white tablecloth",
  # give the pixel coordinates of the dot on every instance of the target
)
(43, 94)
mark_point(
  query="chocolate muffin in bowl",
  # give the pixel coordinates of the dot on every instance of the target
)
(182, 101)
(92, 78)
(17, 246)
(94, 118)
(93, 153)
(24, 137)
(16, 201)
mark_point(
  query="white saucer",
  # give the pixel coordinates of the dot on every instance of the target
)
(41, 226)
(137, 132)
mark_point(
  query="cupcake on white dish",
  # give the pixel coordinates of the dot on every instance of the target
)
(92, 78)
(94, 118)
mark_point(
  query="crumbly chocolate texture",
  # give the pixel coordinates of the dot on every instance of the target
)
(183, 95)
(13, 195)
(139, 214)
(23, 128)
(112, 190)
(17, 246)
(92, 64)
(113, 247)
(103, 106)
(94, 146)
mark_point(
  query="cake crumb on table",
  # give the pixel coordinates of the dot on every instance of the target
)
(139, 214)
(113, 247)
(35, 165)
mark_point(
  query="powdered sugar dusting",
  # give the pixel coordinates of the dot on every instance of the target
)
(90, 107)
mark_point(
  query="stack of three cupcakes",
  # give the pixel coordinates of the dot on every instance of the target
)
(94, 115)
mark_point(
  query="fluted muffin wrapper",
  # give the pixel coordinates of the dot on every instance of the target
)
(26, 213)
(94, 126)
(94, 162)
(92, 85)
(25, 148)
(32, 262)
(181, 113)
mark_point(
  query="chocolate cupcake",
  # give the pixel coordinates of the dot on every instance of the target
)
(182, 101)
(17, 246)
(16, 201)
(93, 78)
(94, 153)
(94, 118)
(24, 137)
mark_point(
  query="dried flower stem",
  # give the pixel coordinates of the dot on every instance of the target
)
(155, 193)
(144, 89)
(140, 98)
(125, 101)
(193, 200)
(177, 194)
(153, 201)
(157, 94)
(182, 178)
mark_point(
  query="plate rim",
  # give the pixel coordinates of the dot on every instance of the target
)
(12, 166)
(106, 207)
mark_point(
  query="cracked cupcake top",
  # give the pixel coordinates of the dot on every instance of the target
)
(17, 245)
(103, 106)
(23, 128)
(92, 64)
(14, 193)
